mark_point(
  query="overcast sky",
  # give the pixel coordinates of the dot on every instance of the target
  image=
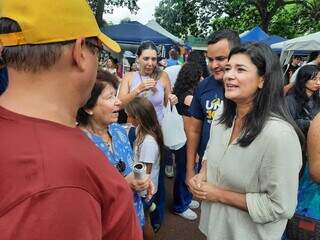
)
(144, 14)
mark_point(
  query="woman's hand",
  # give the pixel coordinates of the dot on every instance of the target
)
(173, 99)
(150, 190)
(209, 192)
(138, 185)
(195, 184)
(146, 85)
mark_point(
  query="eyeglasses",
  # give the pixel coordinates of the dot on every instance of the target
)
(121, 166)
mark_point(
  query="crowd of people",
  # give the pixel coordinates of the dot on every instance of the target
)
(69, 164)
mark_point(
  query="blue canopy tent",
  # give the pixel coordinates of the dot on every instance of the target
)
(256, 34)
(134, 33)
(273, 39)
(130, 35)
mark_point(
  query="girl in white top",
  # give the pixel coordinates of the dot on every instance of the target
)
(148, 146)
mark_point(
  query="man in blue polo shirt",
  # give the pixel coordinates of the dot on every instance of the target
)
(208, 96)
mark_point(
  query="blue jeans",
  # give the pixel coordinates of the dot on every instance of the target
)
(159, 199)
(181, 195)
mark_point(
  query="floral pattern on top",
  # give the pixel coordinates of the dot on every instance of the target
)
(121, 150)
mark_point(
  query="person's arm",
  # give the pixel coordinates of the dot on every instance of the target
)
(212, 193)
(314, 149)
(193, 133)
(206, 191)
(168, 96)
(197, 180)
(188, 100)
(279, 178)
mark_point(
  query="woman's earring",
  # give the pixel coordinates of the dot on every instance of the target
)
(89, 112)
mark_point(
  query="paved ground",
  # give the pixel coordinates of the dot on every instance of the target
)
(176, 227)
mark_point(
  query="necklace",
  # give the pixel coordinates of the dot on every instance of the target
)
(107, 139)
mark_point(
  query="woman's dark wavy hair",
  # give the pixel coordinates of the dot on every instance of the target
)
(199, 58)
(305, 74)
(145, 46)
(187, 79)
(268, 101)
(103, 79)
(141, 109)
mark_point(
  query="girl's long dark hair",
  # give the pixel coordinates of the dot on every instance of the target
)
(305, 74)
(142, 110)
(268, 101)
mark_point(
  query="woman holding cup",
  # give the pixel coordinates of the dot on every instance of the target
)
(98, 120)
(148, 82)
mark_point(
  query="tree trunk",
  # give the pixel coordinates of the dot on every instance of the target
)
(265, 24)
(100, 11)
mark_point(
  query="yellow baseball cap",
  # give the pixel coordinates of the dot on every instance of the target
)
(49, 21)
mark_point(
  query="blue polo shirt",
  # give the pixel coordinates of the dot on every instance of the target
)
(207, 99)
(3, 79)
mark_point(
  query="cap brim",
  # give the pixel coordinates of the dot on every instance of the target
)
(109, 43)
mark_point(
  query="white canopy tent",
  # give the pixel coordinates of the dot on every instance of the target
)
(309, 42)
(156, 27)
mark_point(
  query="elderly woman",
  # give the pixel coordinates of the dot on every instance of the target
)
(249, 179)
(97, 118)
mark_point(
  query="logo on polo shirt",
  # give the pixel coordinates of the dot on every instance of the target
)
(212, 107)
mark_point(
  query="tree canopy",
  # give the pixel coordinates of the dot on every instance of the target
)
(101, 6)
(287, 18)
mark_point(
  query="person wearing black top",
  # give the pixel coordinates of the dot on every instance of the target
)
(187, 80)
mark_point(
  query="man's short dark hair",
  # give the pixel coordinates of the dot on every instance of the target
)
(297, 57)
(231, 36)
(28, 57)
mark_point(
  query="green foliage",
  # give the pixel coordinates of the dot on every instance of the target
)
(102, 6)
(289, 18)
(108, 5)
(177, 16)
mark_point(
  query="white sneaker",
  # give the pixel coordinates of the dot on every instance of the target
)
(188, 214)
(194, 204)
(169, 171)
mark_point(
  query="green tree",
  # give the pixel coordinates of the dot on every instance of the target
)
(291, 19)
(101, 6)
(274, 16)
(178, 17)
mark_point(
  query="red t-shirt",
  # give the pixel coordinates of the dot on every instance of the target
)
(55, 184)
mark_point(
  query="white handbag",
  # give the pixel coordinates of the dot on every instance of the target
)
(172, 128)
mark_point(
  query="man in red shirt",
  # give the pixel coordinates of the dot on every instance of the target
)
(54, 183)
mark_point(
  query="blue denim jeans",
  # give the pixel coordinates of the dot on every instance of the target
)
(181, 195)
